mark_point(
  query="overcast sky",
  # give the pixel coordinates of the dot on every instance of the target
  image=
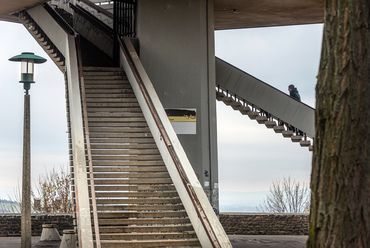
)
(250, 155)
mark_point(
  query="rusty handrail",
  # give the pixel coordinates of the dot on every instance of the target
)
(88, 146)
(201, 215)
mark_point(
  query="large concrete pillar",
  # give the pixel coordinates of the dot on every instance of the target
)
(177, 50)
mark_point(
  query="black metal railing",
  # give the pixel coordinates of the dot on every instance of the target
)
(124, 23)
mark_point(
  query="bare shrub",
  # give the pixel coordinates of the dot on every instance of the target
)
(50, 194)
(287, 197)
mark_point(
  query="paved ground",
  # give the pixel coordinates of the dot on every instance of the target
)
(262, 241)
(238, 241)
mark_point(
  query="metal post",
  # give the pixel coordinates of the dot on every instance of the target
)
(26, 178)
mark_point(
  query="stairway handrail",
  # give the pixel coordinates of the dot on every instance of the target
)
(88, 145)
(90, 17)
(170, 147)
(60, 20)
(97, 8)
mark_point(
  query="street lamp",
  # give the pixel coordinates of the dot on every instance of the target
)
(27, 62)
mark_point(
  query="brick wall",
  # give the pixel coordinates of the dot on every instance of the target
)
(10, 224)
(264, 224)
(233, 223)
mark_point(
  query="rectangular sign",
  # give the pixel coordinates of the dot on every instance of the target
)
(183, 120)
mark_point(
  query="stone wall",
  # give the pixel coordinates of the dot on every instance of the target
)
(10, 224)
(233, 223)
(264, 224)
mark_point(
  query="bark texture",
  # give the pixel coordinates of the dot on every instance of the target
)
(340, 179)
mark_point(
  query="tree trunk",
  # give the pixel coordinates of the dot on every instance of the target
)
(340, 179)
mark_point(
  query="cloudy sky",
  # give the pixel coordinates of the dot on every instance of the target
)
(250, 155)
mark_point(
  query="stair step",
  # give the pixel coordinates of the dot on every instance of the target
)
(237, 107)
(287, 134)
(155, 221)
(111, 95)
(129, 163)
(244, 110)
(130, 214)
(261, 119)
(106, 146)
(91, 91)
(120, 135)
(132, 175)
(91, 105)
(252, 115)
(100, 68)
(279, 129)
(220, 96)
(150, 243)
(119, 130)
(135, 188)
(103, 77)
(139, 202)
(136, 194)
(118, 124)
(305, 143)
(229, 101)
(115, 109)
(132, 181)
(310, 148)
(118, 119)
(111, 100)
(125, 152)
(148, 140)
(132, 207)
(121, 82)
(130, 169)
(113, 86)
(145, 229)
(114, 115)
(296, 138)
(128, 157)
(110, 74)
(141, 236)
(270, 124)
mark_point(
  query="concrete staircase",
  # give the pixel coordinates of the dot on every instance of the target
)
(43, 40)
(137, 203)
(262, 117)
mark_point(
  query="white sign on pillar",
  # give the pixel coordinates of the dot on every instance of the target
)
(183, 120)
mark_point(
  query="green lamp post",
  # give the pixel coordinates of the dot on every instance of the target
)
(27, 63)
(27, 60)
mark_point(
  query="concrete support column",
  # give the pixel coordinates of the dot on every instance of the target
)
(26, 178)
(177, 51)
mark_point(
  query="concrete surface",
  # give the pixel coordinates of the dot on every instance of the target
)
(262, 241)
(238, 241)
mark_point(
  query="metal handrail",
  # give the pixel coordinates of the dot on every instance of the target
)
(97, 8)
(88, 145)
(60, 20)
(90, 17)
(195, 201)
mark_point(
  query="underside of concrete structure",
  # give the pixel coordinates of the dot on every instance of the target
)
(229, 14)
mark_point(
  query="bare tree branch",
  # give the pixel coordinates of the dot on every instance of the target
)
(286, 197)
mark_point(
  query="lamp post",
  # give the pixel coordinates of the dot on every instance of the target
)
(27, 63)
